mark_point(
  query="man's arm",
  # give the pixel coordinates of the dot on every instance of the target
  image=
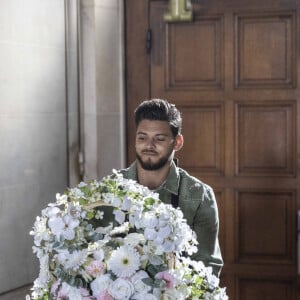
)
(206, 226)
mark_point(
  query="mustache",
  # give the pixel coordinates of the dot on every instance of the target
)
(149, 152)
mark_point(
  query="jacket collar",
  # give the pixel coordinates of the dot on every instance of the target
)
(172, 181)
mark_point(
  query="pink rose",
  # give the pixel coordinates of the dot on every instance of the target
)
(167, 277)
(104, 296)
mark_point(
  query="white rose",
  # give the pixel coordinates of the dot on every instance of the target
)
(143, 296)
(121, 289)
(139, 285)
(100, 284)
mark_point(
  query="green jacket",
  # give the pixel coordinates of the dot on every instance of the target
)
(198, 204)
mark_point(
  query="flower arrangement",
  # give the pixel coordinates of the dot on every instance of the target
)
(142, 254)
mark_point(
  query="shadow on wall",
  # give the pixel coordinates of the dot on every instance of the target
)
(17, 294)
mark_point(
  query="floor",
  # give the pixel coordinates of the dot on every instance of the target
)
(18, 294)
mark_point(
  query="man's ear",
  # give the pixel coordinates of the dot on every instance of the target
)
(178, 142)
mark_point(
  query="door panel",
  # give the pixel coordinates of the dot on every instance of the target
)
(233, 74)
(265, 50)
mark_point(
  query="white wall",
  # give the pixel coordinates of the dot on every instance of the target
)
(39, 112)
(33, 126)
(102, 86)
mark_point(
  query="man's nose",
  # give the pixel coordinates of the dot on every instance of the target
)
(150, 143)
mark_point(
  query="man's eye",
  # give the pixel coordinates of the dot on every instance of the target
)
(141, 138)
(160, 139)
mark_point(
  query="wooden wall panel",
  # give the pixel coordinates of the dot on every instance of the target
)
(203, 139)
(265, 50)
(259, 152)
(272, 212)
(264, 288)
(200, 65)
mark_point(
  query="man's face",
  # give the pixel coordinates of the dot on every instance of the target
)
(154, 144)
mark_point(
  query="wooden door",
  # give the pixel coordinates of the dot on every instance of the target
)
(233, 72)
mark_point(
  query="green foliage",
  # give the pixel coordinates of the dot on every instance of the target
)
(153, 270)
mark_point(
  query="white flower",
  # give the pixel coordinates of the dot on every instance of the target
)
(112, 261)
(74, 210)
(61, 199)
(40, 231)
(121, 289)
(52, 211)
(164, 232)
(70, 292)
(82, 184)
(99, 215)
(124, 261)
(123, 228)
(150, 220)
(63, 226)
(98, 254)
(144, 296)
(133, 239)
(150, 234)
(136, 218)
(72, 261)
(213, 281)
(76, 193)
(101, 284)
(158, 240)
(169, 246)
(171, 294)
(139, 285)
(164, 218)
(119, 216)
(127, 203)
(222, 294)
(44, 274)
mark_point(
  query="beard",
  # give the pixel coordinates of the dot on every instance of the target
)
(153, 166)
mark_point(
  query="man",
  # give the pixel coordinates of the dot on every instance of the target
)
(158, 137)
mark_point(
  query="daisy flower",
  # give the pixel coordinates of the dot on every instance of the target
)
(124, 261)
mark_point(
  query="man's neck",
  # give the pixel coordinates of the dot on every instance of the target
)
(152, 179)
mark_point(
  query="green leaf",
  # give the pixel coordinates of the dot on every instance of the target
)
(90, 215)
(153, 270)
(149, 201)
(149, 281)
